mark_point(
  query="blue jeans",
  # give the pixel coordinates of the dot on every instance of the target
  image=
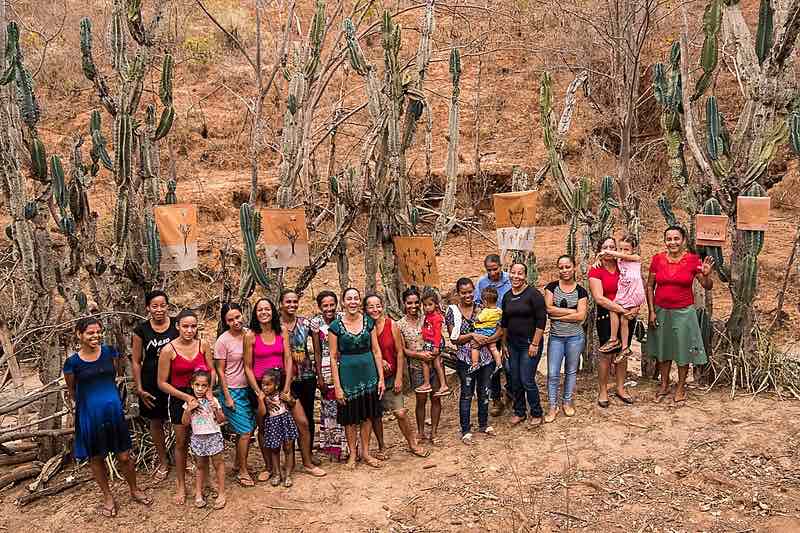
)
(567, 350)
(477, 382)
(522, 376)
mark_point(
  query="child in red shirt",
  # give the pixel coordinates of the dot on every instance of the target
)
(432, 342)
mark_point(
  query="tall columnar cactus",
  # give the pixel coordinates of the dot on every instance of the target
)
(712, 21)
(446, 220)
(250, 224)
(712, 207)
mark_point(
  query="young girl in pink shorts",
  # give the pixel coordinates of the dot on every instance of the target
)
(630, 295)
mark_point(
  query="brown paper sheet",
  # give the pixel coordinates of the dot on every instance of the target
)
(285, 237)
(710, 230)
(417, 260)
(752, 213)
(177, 233)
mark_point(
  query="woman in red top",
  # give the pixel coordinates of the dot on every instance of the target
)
(603, 282)
(393, 365)
(177, 361)
(674, 332)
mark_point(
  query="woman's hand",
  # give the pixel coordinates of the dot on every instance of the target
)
(229, 403)
(479, 339)
(192, 404)
(340, 397)
(381, 388)
(533, 350)
(386, 366)
(632, 313)
(707, 266)
(652, 321)
(147, 399)
(321, 383)
(398, 384)
(286, 396)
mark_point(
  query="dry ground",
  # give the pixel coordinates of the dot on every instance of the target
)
(714, 464)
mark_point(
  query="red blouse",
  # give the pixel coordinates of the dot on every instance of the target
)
(432, 328)
(674, 280)
(388, 349)
(610, 281)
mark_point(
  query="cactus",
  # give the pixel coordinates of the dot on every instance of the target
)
(754, 240)
(165, 87)
(713, 129)
(38, 159)
(165, 123)
(124, 149)
(665, 206)
(764, 35)
(250, 225)
(60, 194)
(712, 20)
(170, 197)
(153, 243)
(794, 131)
(712, 207)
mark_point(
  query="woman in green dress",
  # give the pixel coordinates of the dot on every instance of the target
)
(357, 371)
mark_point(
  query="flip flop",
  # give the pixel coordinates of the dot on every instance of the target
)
(381, 455)
(424, 453)
(160, 475)
(220, 503)
(105, 512)
(315, 471)
(287, 482)
(263, 476)
(603, 403)
(143, 500)
(374, 463)
(180, 499)
(625, 399)
(660, 396)
(679, 400)
(446, 392)
(199, 504)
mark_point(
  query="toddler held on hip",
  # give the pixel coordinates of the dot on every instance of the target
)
(630, 296)
(206, 439)
(486, 324)
(433, 342)
(279, 429)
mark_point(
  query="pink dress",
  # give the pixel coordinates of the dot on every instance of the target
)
(630, 289)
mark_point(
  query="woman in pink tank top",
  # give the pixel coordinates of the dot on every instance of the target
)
(177, 361)
(265, 348)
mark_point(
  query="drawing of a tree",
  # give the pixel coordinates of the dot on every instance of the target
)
(291, 233)
(185, 229)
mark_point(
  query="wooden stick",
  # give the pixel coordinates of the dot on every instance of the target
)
(29, 399)
(20, 473)
(21, 447)
(18, 458)
(35, 422)
(36, 433)
(55, 489)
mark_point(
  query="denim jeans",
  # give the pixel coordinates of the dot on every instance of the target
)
(567, 350)
(477, 382)
(522, 374)
(495, 392)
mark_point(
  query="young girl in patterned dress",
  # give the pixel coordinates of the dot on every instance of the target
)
(206, 440)
(279, 427)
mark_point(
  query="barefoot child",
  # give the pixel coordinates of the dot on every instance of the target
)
(279, 427)
(630, 295)
(486, 324)
(206, 440)
(433, 343)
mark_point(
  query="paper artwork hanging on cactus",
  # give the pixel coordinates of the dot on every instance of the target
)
(752, 213)
(516, 214)
(285, 237)
(710, 230)
(177, 234)
(417, 260)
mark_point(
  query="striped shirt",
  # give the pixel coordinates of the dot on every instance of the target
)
(567, 300)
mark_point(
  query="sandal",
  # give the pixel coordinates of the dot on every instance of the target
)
(422, 389)
(610, 346)
(144, 499)
(424, 453)
(467, 439)
(516, 420)
(445, 392)
(660, 396)
(220, 503)
(274, 480)
(263, 476)
(381, 455)
(489, 430)
(105, 512)
(160, 475)
(287, 482)
(246, 480)
(374, 463)
(625, 399)
(199, 503)
(313, 471)
(603, 403)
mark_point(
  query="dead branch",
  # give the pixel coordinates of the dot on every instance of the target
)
(18, 458)
(20, 473)
(55, 489)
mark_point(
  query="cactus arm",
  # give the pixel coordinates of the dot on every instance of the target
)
(250, 225)
(764, 33)
(712, 20)
(90, 69)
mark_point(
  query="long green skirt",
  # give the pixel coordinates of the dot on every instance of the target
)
(677, 337)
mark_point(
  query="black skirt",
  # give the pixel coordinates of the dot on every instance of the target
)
(359, 409)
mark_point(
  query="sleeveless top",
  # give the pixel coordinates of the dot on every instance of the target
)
(388, 349)
(266, 356)
(181, 369)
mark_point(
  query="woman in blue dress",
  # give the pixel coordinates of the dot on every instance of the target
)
(357, 371)
(100, 426)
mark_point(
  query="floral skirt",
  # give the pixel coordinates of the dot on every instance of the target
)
(206, 445)
(332, 441)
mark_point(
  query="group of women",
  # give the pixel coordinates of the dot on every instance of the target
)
(355, 356)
